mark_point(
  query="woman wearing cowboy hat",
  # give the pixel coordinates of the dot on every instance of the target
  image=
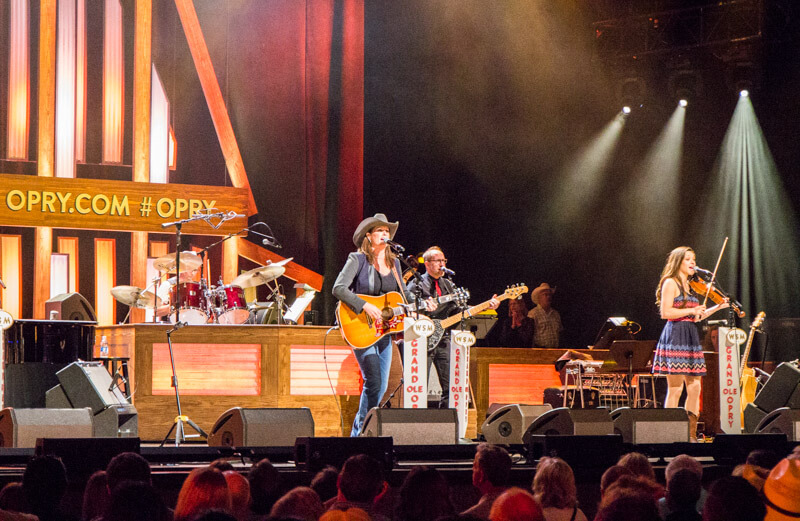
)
(371, 270)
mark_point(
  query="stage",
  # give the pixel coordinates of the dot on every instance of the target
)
(220, 367)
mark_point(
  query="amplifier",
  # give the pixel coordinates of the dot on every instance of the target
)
(555, 397)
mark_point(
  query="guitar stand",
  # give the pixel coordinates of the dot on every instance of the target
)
(388, 403)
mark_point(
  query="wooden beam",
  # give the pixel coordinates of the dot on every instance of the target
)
(43, 248)
(142, 67)
(294, 271)
(46, 152)
(230, 259)
(142, 64)
(138, 269)
(47, 90)
(213, 95)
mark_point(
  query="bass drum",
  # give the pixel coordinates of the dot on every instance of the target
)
(192, 305)
(231, 305)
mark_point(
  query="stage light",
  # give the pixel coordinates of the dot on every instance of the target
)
(744, 93)
(747, 201)
(683, 102)
(626, 110)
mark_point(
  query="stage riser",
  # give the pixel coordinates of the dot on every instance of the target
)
(264, 351)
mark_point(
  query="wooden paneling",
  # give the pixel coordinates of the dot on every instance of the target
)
(208, 369)
(115, 205)
(11, 273)
(504, 375)
(215, 345)
(105, 278)
(213, 94)
(520, 383)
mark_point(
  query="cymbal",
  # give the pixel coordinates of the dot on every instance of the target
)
(135, 297)
(259, 276)
(189, 261)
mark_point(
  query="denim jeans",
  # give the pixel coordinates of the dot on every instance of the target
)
(374, 362)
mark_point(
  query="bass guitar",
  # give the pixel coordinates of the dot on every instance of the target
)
(749, 382)
(439, 326)
(359, 330)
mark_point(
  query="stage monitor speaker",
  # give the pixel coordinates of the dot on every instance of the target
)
(413, 426)
(83, 457)
(507, 424)
(780, 387)
(585, 452)
(70, 306)
(752, 417)
(240, 427)
(88, 384)
(651, 425)
(117, 421)
(26, 385)
(313, 454)
(19, 428)
(782, 421)
(732, 449)
(56, 398)
(566, 421)
(555, 397)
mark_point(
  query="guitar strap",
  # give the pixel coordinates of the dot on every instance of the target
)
(399, 283)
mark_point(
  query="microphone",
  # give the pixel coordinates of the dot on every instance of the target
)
(448, 272)
(705, 274)
(271, 242)
(2, 284)
(394, 246)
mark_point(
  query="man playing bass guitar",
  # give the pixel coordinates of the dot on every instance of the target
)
(434, 284)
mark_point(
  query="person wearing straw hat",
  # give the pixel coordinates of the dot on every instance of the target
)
(781, 490)
(372, 270)
(547, 326)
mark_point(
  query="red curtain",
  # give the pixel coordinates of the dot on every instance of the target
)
(335, 128)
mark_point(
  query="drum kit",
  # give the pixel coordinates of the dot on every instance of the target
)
(197, 302)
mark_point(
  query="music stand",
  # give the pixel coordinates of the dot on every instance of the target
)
(629, 356)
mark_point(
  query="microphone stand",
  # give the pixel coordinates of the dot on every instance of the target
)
(177, 426)
(180, 435)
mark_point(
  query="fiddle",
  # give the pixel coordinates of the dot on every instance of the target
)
(715, 295)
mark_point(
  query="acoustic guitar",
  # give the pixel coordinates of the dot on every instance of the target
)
(359, 330)
(749, 382)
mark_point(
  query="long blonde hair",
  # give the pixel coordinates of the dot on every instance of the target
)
(366, 249)
(671, 268)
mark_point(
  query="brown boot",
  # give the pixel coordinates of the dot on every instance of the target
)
(692, 426)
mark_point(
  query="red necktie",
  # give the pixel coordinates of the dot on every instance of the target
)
(438, 289)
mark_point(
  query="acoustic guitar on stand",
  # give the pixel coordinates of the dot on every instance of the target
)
(361, 331)
(749, 382)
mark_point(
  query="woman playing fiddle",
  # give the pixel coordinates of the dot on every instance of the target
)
(372, 270)
(678, 353)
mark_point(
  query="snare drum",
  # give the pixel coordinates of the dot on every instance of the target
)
(192, 305)
(232, 305)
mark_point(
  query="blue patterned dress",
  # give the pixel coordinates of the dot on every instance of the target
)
(678, 351)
